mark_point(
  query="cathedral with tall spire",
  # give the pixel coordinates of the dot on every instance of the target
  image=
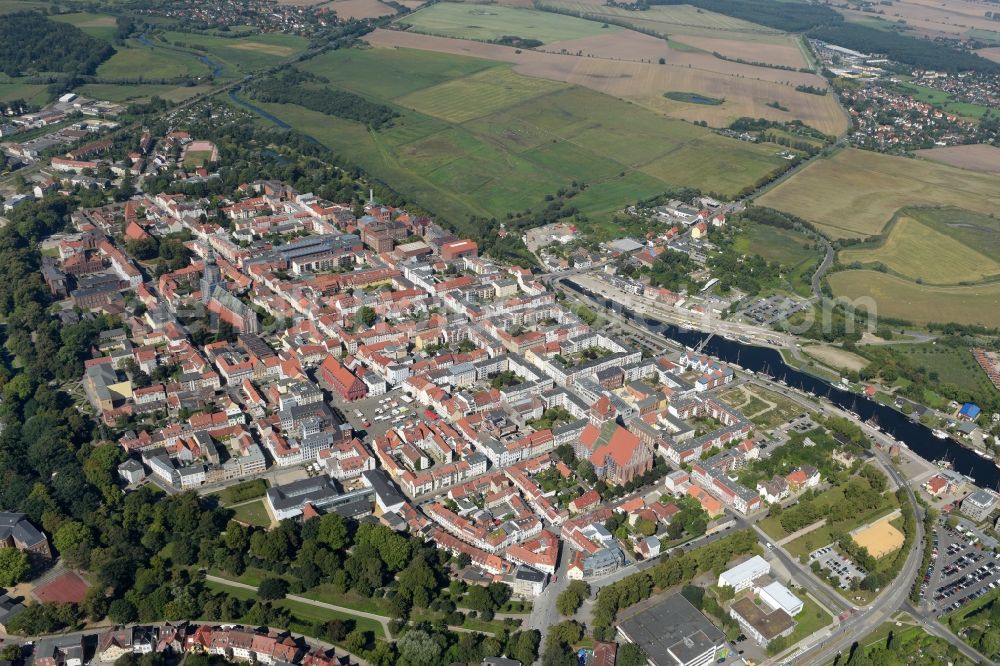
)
(211, 277)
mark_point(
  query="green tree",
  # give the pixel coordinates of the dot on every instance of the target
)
(365, 316)
(14, 566)
(630, 654)
(73, 540)
(272, 588)
(418, 648)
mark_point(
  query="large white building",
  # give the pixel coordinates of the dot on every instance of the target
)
(776, 596)
(743, 575)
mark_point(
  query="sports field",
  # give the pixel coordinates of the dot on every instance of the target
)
(916, 251)
(855, 193)
(902, 299)
(476, 138)
(491, 22)
(748, 90)
(879, 538)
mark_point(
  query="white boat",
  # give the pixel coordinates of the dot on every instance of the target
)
(940, 434)
(983, 454)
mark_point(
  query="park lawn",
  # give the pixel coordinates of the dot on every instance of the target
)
(102, 26)
(855, 193)
(306, 615)
(240, 55)
(811, 619)
(326, 593)
(488, 23)
(253, 513)
(138, 62)
(227, 496)
(916, 251)
(823, 536)
(783, 410)
(895, 297)
(197, 158)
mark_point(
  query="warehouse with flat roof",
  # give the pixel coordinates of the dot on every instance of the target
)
(674, 633)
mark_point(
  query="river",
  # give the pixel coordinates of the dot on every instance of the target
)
(215, 67)
(764, 359)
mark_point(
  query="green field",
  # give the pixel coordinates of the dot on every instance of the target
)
(953, 365)
(901, 299)
(823, 536)
(126, 93)
(788, 247)
(136, 61)
(475, 138)
(253, 513)
(239, 55)
(942, 100)
(98, 25)
(29, 92)
(11, 6)
(917, 251)
(487, 23)
(672, 20)
(304, 614)
(855, 193)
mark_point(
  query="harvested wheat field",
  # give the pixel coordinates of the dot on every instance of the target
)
(879, 538)
(916, 251)
(629, 45)
(359, 9)
(855, 193)
(990, 54)
(784, 54)
(954, 17)
(890, 296)
(835, 357)
(975, 157)
(646, 83)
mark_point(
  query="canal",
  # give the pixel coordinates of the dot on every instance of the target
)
(766, 360)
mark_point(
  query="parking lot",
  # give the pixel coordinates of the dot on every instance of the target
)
(767, 311)
(960, 571)
(839, 565)
(375, 415)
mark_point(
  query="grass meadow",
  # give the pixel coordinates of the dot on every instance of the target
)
(476, 138)
(491, 22)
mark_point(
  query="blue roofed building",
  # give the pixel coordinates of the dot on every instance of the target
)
(970, 410)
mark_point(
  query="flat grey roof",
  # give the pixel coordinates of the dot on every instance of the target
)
(672, 630)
